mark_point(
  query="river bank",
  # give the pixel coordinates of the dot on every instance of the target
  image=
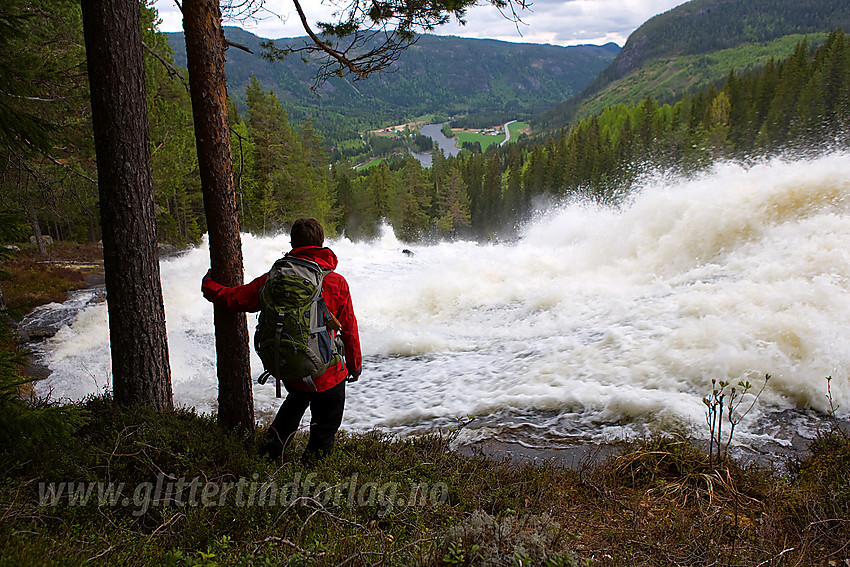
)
(128, 485)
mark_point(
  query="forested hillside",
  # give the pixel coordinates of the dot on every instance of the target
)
(800, 105)
(437, 75)
(685, 42)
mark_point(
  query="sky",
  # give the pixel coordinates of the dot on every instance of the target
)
(556, 22)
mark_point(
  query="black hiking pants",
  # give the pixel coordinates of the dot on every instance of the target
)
(325, 418)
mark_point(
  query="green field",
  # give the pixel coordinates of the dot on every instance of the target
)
(353, 144)
(370, 164)
(515, 129)
(487, 140)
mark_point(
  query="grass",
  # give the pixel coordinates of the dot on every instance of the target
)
(485, 140)
(371, 164)
(350, 144)
(375, 518)
(516, 129)
(383, 500)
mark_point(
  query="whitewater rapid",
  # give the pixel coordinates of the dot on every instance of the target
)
(598, 323)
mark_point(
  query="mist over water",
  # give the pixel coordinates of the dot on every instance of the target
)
(598, 323)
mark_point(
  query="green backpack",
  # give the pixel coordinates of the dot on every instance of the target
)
(296, 334)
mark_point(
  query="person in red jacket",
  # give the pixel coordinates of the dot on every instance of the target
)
(328, 401)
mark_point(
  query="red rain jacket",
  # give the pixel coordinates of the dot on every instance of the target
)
(335, 293)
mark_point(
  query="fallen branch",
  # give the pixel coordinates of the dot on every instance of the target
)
(101, 554)
(275, 539)
(772, 559)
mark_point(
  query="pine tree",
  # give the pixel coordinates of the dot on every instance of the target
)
(344, 203)
(414, 202)
(46, 148)
(718, 119)
(291, 183)
(515, 206)
(452, 205)
(205, 47)
(491, 194)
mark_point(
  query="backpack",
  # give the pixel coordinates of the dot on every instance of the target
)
(296, 334)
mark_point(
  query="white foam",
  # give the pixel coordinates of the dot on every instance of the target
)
(622, 314)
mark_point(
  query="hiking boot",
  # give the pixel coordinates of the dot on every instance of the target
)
(270, 451)
(312, 457)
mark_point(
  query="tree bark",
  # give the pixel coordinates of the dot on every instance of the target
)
(140, 365)
(36, 230)
(205, 50)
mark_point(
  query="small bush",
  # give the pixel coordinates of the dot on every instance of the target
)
(511, 540)
(824, 481)
(659, 461)
(25, 425)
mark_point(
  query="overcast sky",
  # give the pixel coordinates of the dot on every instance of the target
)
(558, 22)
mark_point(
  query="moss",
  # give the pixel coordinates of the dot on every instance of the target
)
(828, 463)
(486, 540)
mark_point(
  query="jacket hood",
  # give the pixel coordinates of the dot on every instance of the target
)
(323, 256)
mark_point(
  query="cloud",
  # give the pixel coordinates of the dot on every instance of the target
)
(557, 22)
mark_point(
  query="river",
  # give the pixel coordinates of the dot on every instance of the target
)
(598, 324)
(443, 142)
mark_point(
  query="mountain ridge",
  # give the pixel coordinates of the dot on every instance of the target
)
(700, 27)
(438, 75)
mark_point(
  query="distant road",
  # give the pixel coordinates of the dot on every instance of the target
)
(507, 133)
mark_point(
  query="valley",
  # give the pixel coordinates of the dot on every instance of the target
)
(479, 140)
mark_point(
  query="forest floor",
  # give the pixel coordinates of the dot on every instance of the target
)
(29, 279)
(97, 484)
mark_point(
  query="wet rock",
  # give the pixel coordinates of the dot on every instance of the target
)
(45, 320)
(20, 335)
(37, 370)
(166, 250)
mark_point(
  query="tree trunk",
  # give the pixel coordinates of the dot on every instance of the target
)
(92, 228)
(205, 48)
(140, 366)
(36, 230)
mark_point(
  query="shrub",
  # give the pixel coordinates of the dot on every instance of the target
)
(488, 541)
